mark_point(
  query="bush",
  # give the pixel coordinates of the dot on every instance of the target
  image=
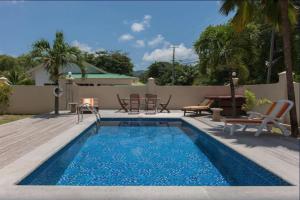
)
(5, 92)
(252, 101)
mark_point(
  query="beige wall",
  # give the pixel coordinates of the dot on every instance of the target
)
(39, 99)
(31, 100)
(108, 81)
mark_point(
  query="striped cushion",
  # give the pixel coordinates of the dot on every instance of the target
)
(277, 109)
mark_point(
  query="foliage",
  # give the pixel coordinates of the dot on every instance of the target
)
(220, 52)
(5, 92)
(7, 62)
(111, 61)
(14, 68)
(18, 76)
(162, 72)
(281, 14)
(252, 101)
(247, 11)
(57, 56)
(24, 61)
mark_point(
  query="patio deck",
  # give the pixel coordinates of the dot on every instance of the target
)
(22, 140)
(20, 137)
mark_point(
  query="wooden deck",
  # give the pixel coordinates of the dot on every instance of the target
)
(20, 137)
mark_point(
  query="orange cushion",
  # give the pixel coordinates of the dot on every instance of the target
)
(244, 121)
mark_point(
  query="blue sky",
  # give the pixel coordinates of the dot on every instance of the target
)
(145, 30)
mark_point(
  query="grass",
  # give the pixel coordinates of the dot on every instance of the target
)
(10, 118)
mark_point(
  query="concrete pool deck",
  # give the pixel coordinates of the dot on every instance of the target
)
(27, 143)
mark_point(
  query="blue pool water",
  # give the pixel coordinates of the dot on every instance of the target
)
(156, 152)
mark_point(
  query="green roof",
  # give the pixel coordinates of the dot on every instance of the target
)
(106, 75)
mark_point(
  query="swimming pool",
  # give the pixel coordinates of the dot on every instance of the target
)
(149, 152)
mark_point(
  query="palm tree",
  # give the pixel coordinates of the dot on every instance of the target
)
(54, 58)
(281, 14)
(18, 76)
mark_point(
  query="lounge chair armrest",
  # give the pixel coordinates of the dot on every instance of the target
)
(254, 114)
(272, 118)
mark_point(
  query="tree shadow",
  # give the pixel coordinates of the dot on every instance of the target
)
(247, 138)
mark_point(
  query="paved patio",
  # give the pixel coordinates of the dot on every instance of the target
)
(29, 139)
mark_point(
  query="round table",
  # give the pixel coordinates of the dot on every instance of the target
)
(216, 114)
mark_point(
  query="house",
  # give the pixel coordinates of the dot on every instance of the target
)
(93, 77)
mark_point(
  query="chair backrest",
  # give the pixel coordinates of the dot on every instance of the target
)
(89, 101)
(134, 98)
(169, 100)
(207, 102)
(119, 99)
(280, 108)
(151, 98)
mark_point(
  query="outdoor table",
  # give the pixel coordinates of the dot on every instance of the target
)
(225, 102)
(216, 114)
(73, 106)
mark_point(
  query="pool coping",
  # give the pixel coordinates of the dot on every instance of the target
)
(19, 169)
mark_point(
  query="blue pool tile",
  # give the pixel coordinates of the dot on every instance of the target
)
(158, 152)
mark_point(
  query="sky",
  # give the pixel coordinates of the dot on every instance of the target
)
(145, 30)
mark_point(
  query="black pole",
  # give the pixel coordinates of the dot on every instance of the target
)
(232, 91)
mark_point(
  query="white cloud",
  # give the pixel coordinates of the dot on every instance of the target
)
(140, 26)
(82, 46)
(139, 43)
(156, 41)
(137, 27)
(165, 54)
(85, 47)
(126, 37)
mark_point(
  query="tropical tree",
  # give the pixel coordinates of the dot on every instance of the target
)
(18, 76)
(162, 72)
(55, 57)
(111, 61)
(221, 50)
(282, 14)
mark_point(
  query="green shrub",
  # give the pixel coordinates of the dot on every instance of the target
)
(252, 101)
(5, 92)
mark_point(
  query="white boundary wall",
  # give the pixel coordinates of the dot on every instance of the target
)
(40, 99)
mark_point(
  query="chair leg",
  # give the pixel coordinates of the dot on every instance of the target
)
(269, 128)
(283, 129)
(260, 128)
(245, 128)
(232, 129)
(225, 126)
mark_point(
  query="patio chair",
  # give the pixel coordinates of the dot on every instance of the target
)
(151, 102)
(203, 106)
(273, 117)
(134, 101)
(123, 104)
(164, 106)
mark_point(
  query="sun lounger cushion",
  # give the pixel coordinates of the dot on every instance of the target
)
(195, 107)
(243, 121)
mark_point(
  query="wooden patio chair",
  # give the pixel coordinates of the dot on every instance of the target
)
(123, 104)
(164, 106)
(134, 101)
(151, 102)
